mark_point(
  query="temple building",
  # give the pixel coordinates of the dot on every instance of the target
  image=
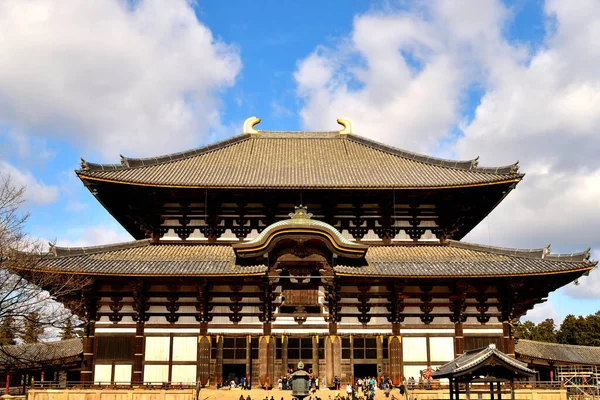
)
(270, 248)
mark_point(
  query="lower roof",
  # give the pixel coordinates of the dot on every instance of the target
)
(451, 259)
(555, 352)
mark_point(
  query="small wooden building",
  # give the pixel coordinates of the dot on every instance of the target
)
(270, 248)
(54, 362)
(487, 366)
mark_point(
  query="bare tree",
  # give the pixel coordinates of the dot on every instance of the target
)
(26, 288)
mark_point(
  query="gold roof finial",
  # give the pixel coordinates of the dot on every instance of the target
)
(249, 125)
(347, 124)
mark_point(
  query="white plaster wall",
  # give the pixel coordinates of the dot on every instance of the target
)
(123, 373)
(414, 349)
(102, 373)
(157, 348)
(183, 373)
(441, 348)
(156, 374)
(185, 348)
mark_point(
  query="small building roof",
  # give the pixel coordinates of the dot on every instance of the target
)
(38, 354)
(269, 159)
(451, 259)
(558, 353)
(473, 360)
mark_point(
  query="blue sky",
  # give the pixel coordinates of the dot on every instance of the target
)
(514, 80)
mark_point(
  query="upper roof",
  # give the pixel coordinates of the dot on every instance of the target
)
(562, 353)
(452, 259)
(471, 360)
(271, 159)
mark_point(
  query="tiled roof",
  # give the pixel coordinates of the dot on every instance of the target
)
(419, 260)
(144, 258)
(470, 360)
(40, 353)
(298, 160)
(463, 259)
(566, 353)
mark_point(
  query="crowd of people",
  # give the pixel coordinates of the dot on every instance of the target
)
(359, 389)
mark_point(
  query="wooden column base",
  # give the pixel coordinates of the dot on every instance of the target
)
(508, 343)
(395, 358)
(459, 339)
(87, 369)
(333, 358)
(266, 357)
(137, 375)
(203, 366)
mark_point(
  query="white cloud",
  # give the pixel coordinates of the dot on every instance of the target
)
(547, 114)
(111, 76)
(36, 191)
(402, 79)
(94, 236)
(543, 311)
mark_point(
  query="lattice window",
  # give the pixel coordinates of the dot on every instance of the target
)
(300, 348)
(365, 348)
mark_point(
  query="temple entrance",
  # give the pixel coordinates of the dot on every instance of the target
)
(233, 372)
(365, 370)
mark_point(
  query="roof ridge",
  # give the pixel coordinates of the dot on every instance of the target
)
(131, 162)
(541, 253)
(468, 165)
(78, 251)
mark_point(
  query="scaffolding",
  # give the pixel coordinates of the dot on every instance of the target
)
(581, 382)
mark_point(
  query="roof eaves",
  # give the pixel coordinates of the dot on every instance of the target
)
(467, 165)
(526, 253)
(543, 253)
(79, 251)
(129, 163)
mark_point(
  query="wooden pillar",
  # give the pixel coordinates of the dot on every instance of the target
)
(507, 340)
(459, 339)
(137, 373)
(87, 368)
(451, 387)
(491, 390)
(333, 354)
(219, 360)
(395, 354)
(499, 390)
(266, 356)
(315, 356)
(379, 356)
(468, 390)
(203, 355)
(351, 360)
(248, 359)
(284, 355)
